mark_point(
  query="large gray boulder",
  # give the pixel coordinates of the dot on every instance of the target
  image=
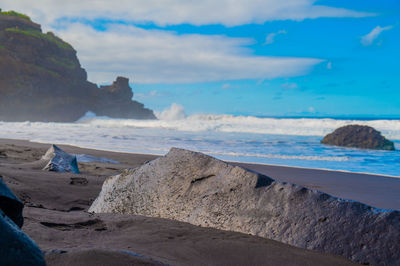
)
(357, 136)
(16, 248)
(196, 188)
(59, 161)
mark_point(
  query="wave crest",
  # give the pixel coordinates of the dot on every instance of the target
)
(174, 119)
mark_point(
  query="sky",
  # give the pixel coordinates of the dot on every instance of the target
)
(242, 57)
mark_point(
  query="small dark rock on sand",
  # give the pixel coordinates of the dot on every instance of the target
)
(357, 136)
(79, 181)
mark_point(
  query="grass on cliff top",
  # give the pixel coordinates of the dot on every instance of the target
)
(15, 14)
(48, 36)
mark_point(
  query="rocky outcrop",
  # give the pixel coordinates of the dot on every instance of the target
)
(196, 188)
(115, 101)
(357, 136)
(58, 160)
(16, 248)
(41, 79)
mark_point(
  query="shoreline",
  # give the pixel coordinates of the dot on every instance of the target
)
(319, 169)
(230, 161)
(376, 190)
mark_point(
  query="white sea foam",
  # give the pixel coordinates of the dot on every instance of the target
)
(175, 120)
(293, 142)
(290, 157)
(175, 112)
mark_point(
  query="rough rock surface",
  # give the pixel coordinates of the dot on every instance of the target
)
(41, 79)
(196, 188)
(60, 161)
(16, 248)
(357, 136)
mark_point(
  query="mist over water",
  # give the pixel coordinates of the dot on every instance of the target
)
(292, 142)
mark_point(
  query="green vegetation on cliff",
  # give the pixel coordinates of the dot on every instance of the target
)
(15, 14)
(48, 36)
(45, 70)
(41, 79)
(63, 62)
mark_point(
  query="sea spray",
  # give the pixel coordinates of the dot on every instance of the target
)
(280, 141)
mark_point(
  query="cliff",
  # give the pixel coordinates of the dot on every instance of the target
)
(41, 79)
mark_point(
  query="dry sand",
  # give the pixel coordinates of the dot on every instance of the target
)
(56, 218)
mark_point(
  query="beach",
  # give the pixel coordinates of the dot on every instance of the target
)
(211, 133)
(56, 216)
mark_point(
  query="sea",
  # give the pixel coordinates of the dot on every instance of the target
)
(262, 140)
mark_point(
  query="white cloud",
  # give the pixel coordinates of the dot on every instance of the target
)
(226, 86)
(289, 86)
(173, 12)
(148, 94)
(271, 37)
(329, 65)
(156, 56)
(153, 56)
(373, 35)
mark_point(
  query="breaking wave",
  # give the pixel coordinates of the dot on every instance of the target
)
(176, 120)
(279, 141)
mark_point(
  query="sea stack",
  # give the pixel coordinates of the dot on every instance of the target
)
(357, 136)
(195, 188)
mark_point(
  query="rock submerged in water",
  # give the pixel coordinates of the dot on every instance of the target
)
(192, 187)
(16, 248)
(60, 161)
(357, 136)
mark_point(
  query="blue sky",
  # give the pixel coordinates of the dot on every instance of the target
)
(305, 58)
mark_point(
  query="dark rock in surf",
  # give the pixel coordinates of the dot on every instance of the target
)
(357, 136)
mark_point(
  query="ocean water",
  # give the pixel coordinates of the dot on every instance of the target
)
(290, 142)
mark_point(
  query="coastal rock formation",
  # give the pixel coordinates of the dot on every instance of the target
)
(41, 79)
(16, 248)
(196, 188)
(115, 101)
(60, 161)
(357, 136)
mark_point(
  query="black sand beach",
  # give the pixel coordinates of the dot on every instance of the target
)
(56, 218)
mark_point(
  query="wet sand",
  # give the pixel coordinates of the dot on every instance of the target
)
(56, 215)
